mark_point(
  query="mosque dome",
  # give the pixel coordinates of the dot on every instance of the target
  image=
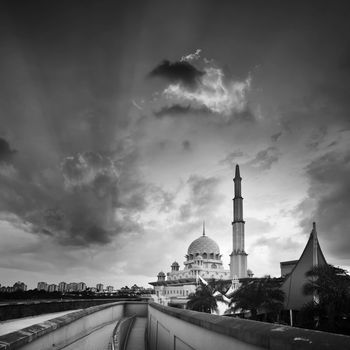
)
(203, 244)
(161, 274)
(175, 263)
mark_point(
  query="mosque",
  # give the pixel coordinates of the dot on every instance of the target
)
(203, 259)
(203, 262)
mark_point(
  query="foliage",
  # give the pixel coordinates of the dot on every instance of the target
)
(202, 300)
(221, 286)
(259, 295)
(330, 306)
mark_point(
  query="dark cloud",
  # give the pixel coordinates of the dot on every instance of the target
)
(186, 145)
(90, 199)
(275, 137)
(278, 244)
(177, 72)
(264, 159)
(316, 138)
(177, 110)
(329, 195)
(202, 197)
(231, 158)
(6, 153)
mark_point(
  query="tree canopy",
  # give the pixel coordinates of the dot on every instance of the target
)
(330, 306)
(202, 300)
(261, 295)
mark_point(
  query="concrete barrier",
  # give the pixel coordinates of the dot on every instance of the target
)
(176, 329)
(62, 331)
(172, 329)
(32, 308)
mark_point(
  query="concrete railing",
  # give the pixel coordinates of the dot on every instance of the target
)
(174, 329)
(62, 331)
(171, 329)
(14, 310)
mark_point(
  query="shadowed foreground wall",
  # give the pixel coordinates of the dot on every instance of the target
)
(14, 310)
(175, 329)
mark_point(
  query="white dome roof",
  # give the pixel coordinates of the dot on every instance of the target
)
(203, 244)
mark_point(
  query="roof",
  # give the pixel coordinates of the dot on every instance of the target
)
(290, 262)
(203, 244)
(295, 280)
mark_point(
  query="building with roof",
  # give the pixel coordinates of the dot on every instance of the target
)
(204, 260)
(295, 273)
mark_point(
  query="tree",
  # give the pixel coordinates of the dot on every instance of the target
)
(330, 287)
(202, 300)
(259, 295)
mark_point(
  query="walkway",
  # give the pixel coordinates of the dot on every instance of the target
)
(136, 339)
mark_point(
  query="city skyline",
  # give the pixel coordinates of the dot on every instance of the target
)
(120, 131)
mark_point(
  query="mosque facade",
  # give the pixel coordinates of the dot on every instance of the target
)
(203, 258)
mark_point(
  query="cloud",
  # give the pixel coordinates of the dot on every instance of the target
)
(85, 168)
(193, 89)
(275, 137)
(178, 72)
(213, 93)
(6, 153)
(178, 110)
(202, 197)
(328, 201)
(231, 158)
(89, 199)
(192, 56)
(264, 159)
(186, 145)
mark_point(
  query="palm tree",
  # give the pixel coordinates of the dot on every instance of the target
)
(202, 300)
(256, 295)
(330, 287)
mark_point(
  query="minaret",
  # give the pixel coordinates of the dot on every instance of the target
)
(238, 265)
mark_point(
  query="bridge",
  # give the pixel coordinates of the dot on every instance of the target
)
(139, 325)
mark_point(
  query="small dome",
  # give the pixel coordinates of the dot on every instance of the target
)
(175, 263)
(199, 257)
(203, 244)
(161, 273)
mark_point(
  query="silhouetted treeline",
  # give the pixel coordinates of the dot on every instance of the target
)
(35, 294)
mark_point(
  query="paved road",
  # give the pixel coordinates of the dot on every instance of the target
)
(19, 323)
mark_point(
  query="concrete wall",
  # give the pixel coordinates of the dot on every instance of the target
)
(172, 329)
(24, 309)
(175, 329)
(61, 331)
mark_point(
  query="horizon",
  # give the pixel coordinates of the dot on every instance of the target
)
(120, 131)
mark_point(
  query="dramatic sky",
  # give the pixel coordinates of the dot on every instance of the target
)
(121, 126)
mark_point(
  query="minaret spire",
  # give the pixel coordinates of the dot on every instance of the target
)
(238, 265)
(203, 228)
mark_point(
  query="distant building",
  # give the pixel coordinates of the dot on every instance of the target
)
(109, 288)
(81, 287)
(20, 286)
(287, 267)
(62, 287)
(52, 288)
(99, 287)
(72, 287)
(42, 286)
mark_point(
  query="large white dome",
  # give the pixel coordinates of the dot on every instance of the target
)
(203, 244)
